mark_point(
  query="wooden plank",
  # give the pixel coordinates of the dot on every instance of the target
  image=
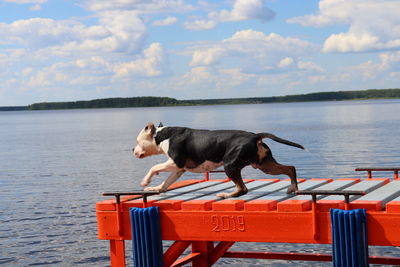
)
(385, 193)
(250, 186)
(199, 194)
(281, 194)
(377, 199)
(186, 190)
(334, 185)
(202, 199)
(259, 192)
(365, 186)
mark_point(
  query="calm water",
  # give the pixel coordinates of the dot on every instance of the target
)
(55, 164)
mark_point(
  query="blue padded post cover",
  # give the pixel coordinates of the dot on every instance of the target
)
(349, 238)
(146, 237)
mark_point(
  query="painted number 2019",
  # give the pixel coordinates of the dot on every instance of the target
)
(227, 223)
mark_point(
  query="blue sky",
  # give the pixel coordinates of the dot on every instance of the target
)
(67, 50)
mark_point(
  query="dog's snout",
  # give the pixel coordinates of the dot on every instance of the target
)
(139, 153)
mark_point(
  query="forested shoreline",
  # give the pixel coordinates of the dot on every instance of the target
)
(150, 101)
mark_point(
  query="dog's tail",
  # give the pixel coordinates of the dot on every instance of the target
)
(279, 140)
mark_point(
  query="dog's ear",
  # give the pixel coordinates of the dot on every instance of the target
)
(160, 125)
(150, 128)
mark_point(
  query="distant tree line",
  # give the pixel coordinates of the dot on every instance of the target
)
(322, 96)
(15, 108)
(150, 101)
(147, 101)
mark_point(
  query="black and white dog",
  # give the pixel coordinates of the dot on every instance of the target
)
(204, 150)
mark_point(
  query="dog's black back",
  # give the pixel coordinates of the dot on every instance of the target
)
(197, 146)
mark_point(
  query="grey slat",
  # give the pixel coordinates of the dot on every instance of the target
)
(281, 195)
(385, 193)
(334, 185)
(257, 185)
(266, 190)
(184, 190)
(397, 198)
(365, 185)
(250, 186)
(198, 194)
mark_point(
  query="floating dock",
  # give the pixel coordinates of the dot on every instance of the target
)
(192, 215)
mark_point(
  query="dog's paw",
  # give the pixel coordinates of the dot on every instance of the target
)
(155, 188)
(162, 190)
(145, 182)
(223, 195)
(292, 189)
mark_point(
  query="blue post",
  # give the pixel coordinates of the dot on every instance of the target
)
(349, 238)
(146, 237)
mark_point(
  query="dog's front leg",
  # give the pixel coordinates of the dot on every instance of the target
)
(168, 166)
(164, 185)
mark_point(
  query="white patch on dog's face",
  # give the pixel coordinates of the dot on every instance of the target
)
(146, 145)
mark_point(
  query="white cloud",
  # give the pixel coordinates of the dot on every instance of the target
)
(373, 25)
(27, 71)
(252, 60)
(207, 56)
(25, 1)
(241, 10)
(350, 42)
(141, 6)
(69, 55)
(199, 25)
(229, 78)
(36, 3)
(126, 31)
(165, 22)
(388, 63)
(244, 10)
(198, 75)
(316, 79)
(256, 51)
(150, 64)
(36, 32)
(286, 62)
(311, 66)
(36, 7)
(221, 79)
(390, 60)
(121, 31)
(39, 80)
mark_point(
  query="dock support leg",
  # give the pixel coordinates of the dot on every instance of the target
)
(204, 248)
(174, 251)
(219, 251)
(117, 253)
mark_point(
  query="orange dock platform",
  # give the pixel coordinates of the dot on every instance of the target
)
(191, 215)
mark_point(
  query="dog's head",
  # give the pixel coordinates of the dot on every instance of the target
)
(146, 145)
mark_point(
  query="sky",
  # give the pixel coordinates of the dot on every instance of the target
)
(69, 50)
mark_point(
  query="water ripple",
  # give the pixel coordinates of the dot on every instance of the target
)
(53, 166)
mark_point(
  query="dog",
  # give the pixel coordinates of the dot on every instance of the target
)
(202, 151)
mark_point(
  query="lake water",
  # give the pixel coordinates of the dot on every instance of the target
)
(55, 164)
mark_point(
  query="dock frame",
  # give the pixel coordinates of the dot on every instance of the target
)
(212, 230)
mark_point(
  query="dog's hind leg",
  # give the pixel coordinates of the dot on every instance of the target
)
(270, 166)
(235, 175)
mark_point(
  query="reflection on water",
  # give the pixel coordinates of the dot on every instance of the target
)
(55, 164)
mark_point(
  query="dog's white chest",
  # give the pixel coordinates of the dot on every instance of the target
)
(206, 166)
